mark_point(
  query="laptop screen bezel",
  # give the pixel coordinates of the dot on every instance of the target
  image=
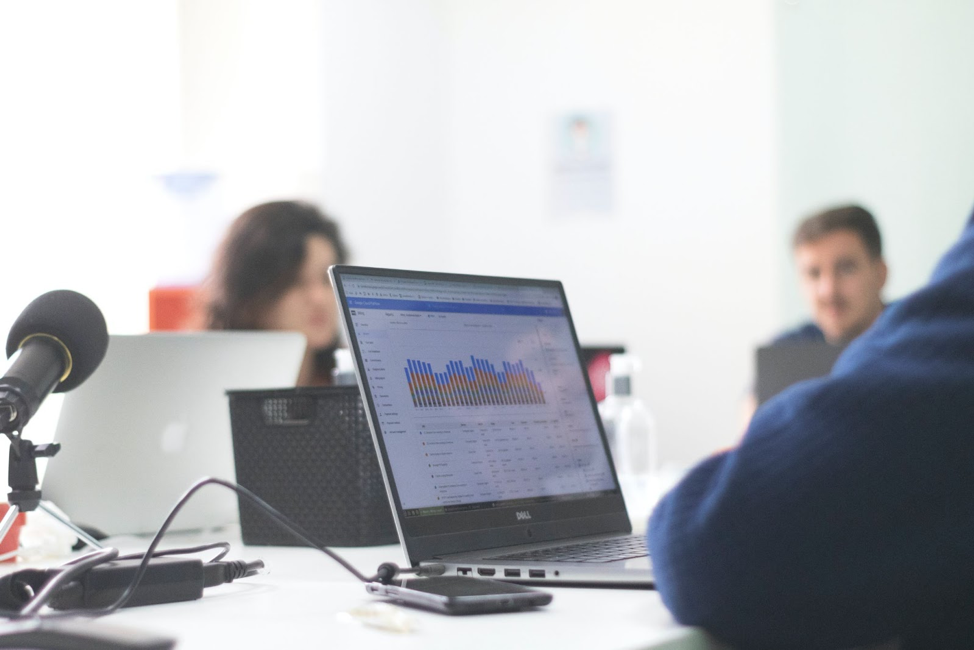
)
(430, 536)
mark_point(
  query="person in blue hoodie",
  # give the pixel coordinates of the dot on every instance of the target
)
(845, 517)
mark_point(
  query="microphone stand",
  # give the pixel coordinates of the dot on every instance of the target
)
(24, 495)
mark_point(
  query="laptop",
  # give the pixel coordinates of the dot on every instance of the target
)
(779, 366)
(489, 440)
(152, 420)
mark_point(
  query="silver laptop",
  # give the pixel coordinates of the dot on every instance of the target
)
(490, 443)
(152, 420)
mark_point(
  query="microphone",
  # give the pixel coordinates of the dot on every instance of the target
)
(61, 337)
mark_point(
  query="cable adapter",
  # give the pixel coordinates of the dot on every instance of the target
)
(166, 580)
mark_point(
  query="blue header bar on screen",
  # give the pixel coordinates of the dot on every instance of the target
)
(453, 307)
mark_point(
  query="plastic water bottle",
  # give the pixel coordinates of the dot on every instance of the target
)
(617, 391)
(631, 430)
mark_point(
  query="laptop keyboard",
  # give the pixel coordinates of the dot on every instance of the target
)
(600, 550)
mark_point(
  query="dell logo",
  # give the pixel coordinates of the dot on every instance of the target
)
(523, 515)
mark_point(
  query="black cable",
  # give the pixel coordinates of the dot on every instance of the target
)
(218, 573)
(225, 546)
(143, 565)
(239, 489)
(272, 512)
(388, 571)
(221, 571)
(33, 589)
(68, 572)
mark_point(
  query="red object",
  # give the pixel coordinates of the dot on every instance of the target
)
(598, 370)
(171, 308)
(12, 540)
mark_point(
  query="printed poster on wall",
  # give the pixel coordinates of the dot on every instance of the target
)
(582, 164)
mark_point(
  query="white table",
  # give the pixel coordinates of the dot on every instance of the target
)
(304, 598)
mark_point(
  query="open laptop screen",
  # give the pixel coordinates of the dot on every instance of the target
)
(781, 365)
(477, 392)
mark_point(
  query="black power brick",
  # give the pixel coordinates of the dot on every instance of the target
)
(166, 580)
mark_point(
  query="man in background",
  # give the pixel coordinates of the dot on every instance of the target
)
(839, 257)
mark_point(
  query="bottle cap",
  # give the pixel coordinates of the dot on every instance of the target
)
(624, 364)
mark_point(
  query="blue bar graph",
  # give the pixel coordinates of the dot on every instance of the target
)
(476, 384)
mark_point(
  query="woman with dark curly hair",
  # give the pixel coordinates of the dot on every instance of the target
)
(271, 273)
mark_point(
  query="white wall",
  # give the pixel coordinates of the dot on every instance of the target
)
(681, 271)
(89, 94)
(386, 113)
(875, 101)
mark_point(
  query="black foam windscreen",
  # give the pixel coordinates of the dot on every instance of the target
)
(74, 320)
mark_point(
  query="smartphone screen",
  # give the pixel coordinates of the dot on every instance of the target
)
(460, 595)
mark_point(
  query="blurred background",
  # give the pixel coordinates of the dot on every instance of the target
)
(131, 133)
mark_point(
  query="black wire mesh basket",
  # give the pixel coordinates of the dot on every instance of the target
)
(309, 453)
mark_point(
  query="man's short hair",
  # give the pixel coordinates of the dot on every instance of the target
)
(847, 217)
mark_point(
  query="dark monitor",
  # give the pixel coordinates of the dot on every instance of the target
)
(779, 366)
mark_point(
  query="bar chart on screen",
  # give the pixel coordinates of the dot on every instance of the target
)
(476, 383)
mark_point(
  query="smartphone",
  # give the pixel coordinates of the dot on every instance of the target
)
(459, 595)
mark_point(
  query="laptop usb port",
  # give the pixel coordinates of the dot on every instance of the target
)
(535, 573)
(512, 573)
(486, 572)
(463, 571)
